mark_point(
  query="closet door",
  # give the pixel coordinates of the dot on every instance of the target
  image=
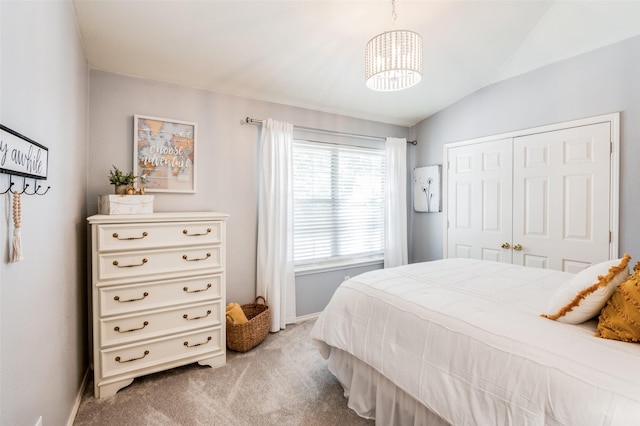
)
(479, 201)
(561, 197)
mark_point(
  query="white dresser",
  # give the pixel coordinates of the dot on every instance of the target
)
(158, 294)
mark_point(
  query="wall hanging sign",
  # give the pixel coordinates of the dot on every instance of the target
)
(426, 189)
(164, 154)
(22, 156)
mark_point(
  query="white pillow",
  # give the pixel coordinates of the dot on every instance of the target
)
(584, 295)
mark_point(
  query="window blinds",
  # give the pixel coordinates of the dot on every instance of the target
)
(338, 202)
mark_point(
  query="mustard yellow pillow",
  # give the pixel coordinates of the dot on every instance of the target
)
(585, 294)
(620, 318)
(235, 314)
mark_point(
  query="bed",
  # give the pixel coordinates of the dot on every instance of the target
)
(462, 342)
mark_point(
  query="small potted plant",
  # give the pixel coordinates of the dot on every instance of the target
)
(123, 182)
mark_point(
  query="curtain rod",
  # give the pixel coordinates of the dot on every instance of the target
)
(250, 120)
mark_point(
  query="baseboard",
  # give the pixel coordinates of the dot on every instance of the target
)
(76, 405)
(308, 317)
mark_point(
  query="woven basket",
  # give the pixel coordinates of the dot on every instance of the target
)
(243, 337)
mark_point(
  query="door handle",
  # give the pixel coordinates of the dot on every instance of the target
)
(517, 247)
(505, 245)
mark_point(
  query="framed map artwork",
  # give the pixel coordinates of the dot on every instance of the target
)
(164, 154)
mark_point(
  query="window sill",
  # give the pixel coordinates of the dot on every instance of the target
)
(315, 268)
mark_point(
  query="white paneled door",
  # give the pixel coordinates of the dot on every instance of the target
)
(479, 199)
(561, 198)
(542, 199)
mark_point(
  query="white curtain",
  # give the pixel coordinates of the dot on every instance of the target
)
(395, 232)
(275, 274)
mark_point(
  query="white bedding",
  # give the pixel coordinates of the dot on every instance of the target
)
(464, 338)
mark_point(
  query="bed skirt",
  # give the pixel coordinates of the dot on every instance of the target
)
(373, 396)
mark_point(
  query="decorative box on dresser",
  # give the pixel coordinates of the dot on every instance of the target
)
(158, 294)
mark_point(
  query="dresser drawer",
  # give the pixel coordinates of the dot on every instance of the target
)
(117, 300)
(129, 358)
(134, 236)
(132, 265)
(125, 329)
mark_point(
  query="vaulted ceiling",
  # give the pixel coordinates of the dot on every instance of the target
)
(310, 54)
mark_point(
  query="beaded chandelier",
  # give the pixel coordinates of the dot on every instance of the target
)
(393, 59)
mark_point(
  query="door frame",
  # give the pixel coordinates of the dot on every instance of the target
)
(614, 179)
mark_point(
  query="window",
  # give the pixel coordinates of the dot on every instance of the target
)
(338, 203)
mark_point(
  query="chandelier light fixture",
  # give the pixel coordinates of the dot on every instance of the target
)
(393, 59)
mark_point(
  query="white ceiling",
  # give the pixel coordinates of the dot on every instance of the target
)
(310, 54)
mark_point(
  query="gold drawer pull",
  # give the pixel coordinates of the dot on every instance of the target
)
(185, 316)
(186, 232)
(117, 298)
(115, 263)
(132, 359)
(186, 289)
(146, 323)
(115, 235)
(197, 344)
(185, 257)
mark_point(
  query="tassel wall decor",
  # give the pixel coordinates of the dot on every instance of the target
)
(16, 255)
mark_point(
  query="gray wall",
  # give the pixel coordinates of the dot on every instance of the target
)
(599, 82)
(226, 161)
(315, 290)
(43, 94)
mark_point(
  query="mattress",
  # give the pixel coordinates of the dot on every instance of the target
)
(465, 339)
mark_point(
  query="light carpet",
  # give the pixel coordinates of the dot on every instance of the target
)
(283, 381)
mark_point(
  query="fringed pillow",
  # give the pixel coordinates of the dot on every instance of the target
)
(585, 294)
(620, 318)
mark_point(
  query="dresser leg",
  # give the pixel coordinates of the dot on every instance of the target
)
(105, 391)
(214, 362)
